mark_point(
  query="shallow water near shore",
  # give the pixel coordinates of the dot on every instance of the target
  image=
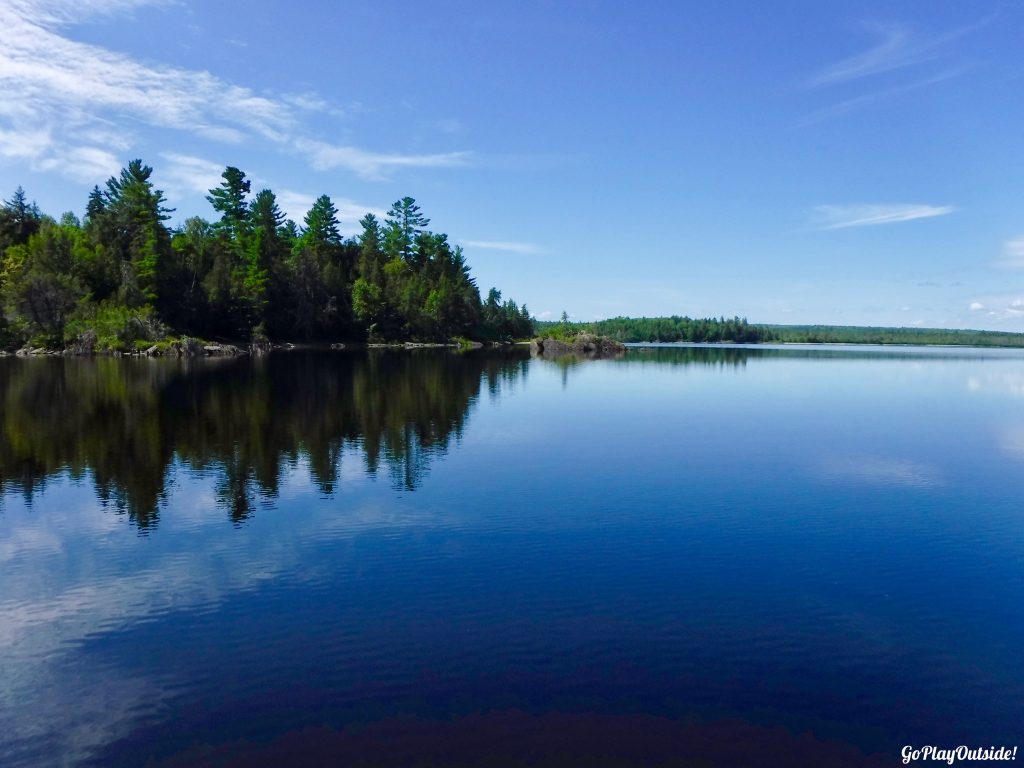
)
(710, 554)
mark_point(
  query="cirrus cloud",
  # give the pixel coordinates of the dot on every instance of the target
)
(1013, 254)
(67, 103)
(868, 215)
(502, 245)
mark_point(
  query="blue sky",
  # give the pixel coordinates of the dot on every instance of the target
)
(790, 162)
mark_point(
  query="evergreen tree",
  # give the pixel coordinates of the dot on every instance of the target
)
(19, 220)
(132, 228)
(229, 201)
(322, 226)
(264, 256)
(404, 222)
(251, 272)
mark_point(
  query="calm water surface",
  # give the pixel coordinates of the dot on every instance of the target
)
(799, 556)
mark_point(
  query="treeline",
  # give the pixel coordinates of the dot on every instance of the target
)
(738, 330)
(669, 329)
(120, 277)
(850, 334)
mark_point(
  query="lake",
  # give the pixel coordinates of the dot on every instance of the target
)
(688, 555)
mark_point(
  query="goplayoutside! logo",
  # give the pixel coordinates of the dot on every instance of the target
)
(953, 754)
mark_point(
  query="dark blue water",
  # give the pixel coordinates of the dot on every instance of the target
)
(714, 556)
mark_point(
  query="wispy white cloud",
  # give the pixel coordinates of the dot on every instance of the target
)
(868, 99)
(1013, 254)
(66, 99)
(56, 75)
(59, 95)
(866, 215)
(185, 174)
(188, 174)
(57, 12)
(374, 165)
(896, 47)
(1001, 307)
(1013, 310)
(85, 164)
(502, 245)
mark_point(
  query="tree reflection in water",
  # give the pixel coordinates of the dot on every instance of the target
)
(124, 423)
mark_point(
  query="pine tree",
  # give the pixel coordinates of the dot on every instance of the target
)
(404, 223)
(229, 201)
(19, 220)
(132, 228)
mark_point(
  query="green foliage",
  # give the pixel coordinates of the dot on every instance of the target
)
(112, 327)
(367, 301)
(126, 221)
(404, 223)
(504, 321)
(842, 334)
(250, 272)
(666, 329)
(685, 329)
(562, 331)
(322, 228)
(229, 201)
(19, 220)
(41, 282)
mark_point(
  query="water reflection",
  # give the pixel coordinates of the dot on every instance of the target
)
(727, 547)
(121, 423)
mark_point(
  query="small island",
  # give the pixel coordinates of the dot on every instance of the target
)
(578, 344)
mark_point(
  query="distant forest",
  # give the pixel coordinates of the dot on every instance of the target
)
(738, 330)
(121, 279)
(851, 334)
(664, 329)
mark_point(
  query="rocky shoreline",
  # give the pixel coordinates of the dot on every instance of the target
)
(191, 348)
(183, 348)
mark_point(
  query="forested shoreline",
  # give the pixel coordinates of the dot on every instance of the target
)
(859, 334)
(120, 279)
(662, 329)
(737, 330)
